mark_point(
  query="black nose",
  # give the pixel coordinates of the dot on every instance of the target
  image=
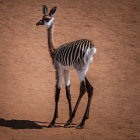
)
(40, 23)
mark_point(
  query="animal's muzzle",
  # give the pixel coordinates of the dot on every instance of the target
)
(40, 23)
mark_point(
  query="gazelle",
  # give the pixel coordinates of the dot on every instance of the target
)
(78, 55)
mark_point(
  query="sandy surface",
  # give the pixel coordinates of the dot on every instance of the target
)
(27, 77)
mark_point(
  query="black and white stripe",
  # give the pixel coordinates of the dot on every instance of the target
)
(73, 53)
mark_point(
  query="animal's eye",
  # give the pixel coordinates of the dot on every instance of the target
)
(46, 19)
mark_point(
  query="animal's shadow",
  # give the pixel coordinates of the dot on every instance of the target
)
(27, 124)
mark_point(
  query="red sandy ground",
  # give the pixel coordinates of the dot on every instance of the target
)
(27, 77)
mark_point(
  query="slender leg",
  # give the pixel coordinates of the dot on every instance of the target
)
(82, 91)
(69, 99)
(58, 88)
(67, 82)
(56, 107)
(90, 93)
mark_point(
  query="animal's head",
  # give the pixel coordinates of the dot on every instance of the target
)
(47, 18)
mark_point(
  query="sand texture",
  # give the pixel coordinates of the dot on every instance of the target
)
(27, 76)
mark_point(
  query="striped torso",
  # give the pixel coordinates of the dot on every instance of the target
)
(73, 53)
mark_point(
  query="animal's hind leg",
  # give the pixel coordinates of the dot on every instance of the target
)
(82, 92)
(90, 93)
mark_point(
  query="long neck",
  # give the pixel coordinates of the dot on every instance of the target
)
(50, 40)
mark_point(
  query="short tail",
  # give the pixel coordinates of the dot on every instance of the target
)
(94, 50)
(89, 55)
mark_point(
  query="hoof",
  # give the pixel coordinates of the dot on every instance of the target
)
(67, 123)
(50, 125)
(79, 127)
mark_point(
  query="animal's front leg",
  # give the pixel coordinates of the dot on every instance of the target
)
(56, 107)
(59, 75)
(67, 83)
(69, 99)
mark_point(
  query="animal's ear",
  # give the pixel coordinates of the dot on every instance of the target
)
(52, 11)
(44, 10)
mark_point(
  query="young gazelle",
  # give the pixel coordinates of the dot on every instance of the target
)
(78, 55)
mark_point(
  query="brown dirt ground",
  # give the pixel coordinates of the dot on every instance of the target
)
(27, 77)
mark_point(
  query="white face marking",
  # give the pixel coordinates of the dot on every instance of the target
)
(48, 24)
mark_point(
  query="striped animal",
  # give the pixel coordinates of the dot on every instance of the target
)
(78, 55)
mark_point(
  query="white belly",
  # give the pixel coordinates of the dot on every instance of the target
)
(67, 67)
